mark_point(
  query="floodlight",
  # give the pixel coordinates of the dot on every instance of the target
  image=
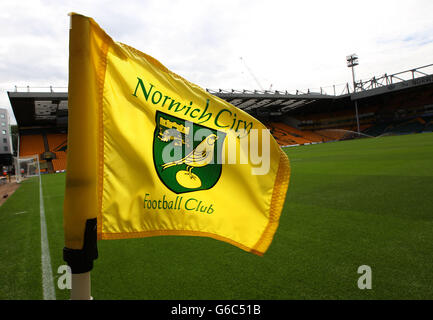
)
(352, 60)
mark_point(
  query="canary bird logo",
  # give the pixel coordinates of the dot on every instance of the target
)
(198, 169)
(201, 156)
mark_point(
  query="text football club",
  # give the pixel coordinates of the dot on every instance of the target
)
(189, 204)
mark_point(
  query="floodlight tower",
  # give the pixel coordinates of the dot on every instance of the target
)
(352, 61)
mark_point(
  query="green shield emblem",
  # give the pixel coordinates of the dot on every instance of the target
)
(187, 156)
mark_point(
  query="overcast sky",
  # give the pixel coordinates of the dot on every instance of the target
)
(287, 44)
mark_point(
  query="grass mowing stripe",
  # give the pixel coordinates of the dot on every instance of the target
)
(20, 264)
(352, 203)
(53, 186)
(47, 274)
(349, 203)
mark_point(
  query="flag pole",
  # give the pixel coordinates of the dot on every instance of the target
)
(80, 223)
(81, 289)
(81, 262)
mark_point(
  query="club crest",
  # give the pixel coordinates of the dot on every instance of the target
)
(187, 156)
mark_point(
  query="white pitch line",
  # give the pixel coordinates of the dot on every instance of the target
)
(47, 273)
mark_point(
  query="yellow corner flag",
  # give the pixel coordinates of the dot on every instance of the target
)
(152, 154)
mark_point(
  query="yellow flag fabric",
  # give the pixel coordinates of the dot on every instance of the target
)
(125, 107)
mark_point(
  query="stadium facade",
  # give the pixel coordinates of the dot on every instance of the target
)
(400, 103)
(6, 150)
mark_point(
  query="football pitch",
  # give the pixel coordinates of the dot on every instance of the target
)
(351, 203)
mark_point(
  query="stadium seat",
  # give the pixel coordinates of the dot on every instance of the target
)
(57, 141)
(332, 134)
(407, 127)
(376, 130)
(59, 164)
(294, 135)
(60, 155)
(428, 127)
(31, 145)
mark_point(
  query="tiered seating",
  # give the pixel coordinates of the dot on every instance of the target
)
(410, 127)
(376, 130)
(421, 120)
(364, 127)
(31, 145)
(282, 137)
(60, 155)
(294, 134)
(428, 127)
(59, 164)
(314, 136)
(288, 135)
(406, 127)
(58, 143)
(295, 138)
(333, 134)
(336, 120)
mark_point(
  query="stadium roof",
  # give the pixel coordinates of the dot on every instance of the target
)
(39, 109)
(50, 109)
(274, 102)
(374, 86)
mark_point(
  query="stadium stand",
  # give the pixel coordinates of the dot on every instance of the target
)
(59, 165)
(397, 128)
(51, 148)
(60, 155)
(429, 125)
(31, 145)
(332, 134)
(407, 127)
(56, 141)
(290, 132)
(301, 136)
(376, 130)
(282, 137)
(288, 135)
(394, 106)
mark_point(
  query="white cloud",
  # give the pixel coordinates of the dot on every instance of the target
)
(291, 45)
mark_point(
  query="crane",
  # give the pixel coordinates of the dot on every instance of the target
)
(251, 74)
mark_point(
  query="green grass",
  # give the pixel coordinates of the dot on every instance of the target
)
(20, 238)
(349, 203)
